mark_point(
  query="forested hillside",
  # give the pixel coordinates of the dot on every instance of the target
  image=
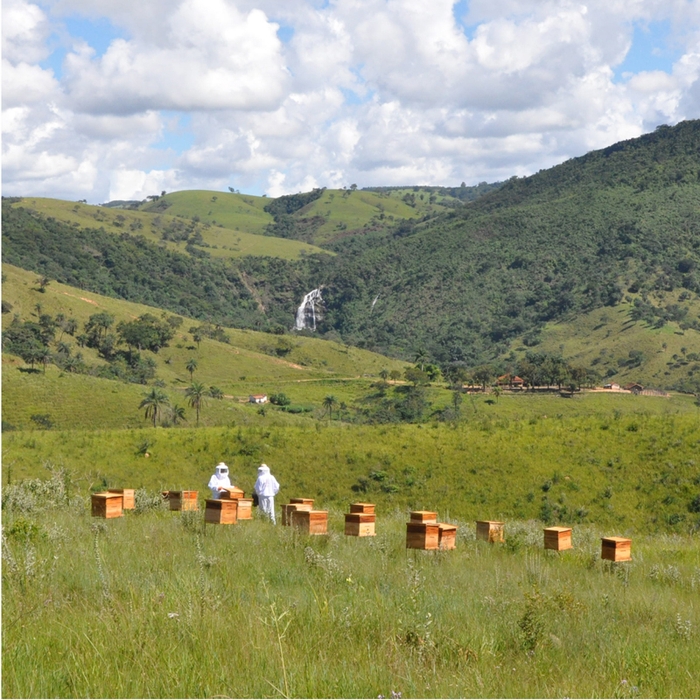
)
(464, 284)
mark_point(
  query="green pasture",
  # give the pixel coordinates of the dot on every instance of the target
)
(156, 604)
(634, 472)
(242, 212)
(243, 236)
(604, 338)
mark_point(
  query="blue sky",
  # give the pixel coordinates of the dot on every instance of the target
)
(118, 100)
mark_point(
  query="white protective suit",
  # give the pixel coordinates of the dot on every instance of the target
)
(219, 479)
(266, 487)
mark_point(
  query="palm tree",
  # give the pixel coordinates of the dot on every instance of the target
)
(196, 394)
(328, 403)
(191, 366)
(177, 414)
(421, 358)
(154, 402)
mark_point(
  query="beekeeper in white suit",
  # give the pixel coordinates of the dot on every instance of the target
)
(219, 480)
(266, 487)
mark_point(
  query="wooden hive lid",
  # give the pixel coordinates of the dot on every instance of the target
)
(305, 501)
(447, 526)
(616, 540)
(557, 528)
(107, 494)
(490, 522)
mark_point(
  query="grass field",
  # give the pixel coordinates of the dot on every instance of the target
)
(603, 340)
(635, 472)
(243, 236)
(249, 364)
(156, 604)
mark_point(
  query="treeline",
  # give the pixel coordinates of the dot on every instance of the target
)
(463, 193)
(128, 267)
(46, 342)
(285, 225)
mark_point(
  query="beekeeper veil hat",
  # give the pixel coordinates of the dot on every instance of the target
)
(221, 470)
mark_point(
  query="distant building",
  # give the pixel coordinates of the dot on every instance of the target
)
(510, 380)
(634, 388)
(258, 398)
(615, 386)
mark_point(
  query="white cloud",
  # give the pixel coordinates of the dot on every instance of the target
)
(366, 91)
(210, 56)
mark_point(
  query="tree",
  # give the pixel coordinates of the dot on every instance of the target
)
(191, 366)
(329, 402)
(146, 333)
(196, 394)
(177, 414)
(42, 281)
(384, 373)
(416, 376)
(97, 326)
(155, 401)
(215, 392)
(421, 357)
(483, 375)
(394, 375)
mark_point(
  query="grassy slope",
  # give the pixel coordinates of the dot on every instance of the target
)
(313, 369)
(634, 473)
(346, 210)
(601, 338)
(231, 240)
(242, 212)
(137, 607)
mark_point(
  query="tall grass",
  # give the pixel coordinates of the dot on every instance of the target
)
(156, 604)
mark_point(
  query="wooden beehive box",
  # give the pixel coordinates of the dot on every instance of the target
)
(617, 549)
(367, 508)
(557, 538)
(360, 524)
(489, 530)
(231, 492)
(423, 516)
(311, 522)
(447, 536)
(128, 497)
(221, 511)
(107, 505)
(303, 501)
(422, 535)
(245, 508)
(183, 500)
(289, 508)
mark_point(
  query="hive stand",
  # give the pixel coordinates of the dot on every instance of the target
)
(221, 511)
(557, 538)
(616, 549)
(107, 505)
(128, 497)
(489, 530)
(447, 536)
(310, 522)
(422, 535)
(183, 500)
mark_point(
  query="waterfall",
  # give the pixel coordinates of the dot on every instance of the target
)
(306, 313)
(373, 303)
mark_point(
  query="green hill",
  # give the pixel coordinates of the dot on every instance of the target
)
(618, 225)
(241, 363)
(237, 231)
